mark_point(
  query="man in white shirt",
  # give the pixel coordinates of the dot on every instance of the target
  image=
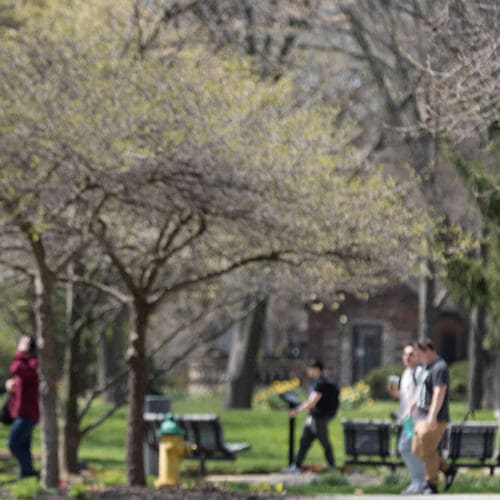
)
(406, 393)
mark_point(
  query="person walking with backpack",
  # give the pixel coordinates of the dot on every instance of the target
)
(406, 393)
(322, 404)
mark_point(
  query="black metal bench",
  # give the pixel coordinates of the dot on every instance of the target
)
(472, 444)
(205, 431)
(202, 430)
(368, 442)
(466, 444)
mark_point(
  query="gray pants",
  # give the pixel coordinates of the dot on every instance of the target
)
(315, 428)
(414, 465)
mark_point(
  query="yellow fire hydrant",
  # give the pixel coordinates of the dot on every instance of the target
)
(172, 450)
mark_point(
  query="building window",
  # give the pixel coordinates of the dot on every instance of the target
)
(366, 349)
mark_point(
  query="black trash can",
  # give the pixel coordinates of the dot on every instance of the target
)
(155, 408)
(154, 403)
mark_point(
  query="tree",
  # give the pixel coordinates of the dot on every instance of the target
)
(271, 34)
(180, 171)
(433, 67)
(89, 315)
(474, 281)
(465, 83)
(44, 218)
(385, 48)
(466, 117)
(265, 30)
(203, 233)
(243, 359)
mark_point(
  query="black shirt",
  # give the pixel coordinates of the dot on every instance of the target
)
(435, 374)
(327, 405)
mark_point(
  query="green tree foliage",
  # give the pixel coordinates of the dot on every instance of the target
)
(458, 380)
(476, 281)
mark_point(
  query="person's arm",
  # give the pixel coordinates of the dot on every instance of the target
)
(308, 404)
(438, 394)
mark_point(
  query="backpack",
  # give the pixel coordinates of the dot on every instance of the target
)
(5, 416)
(328, 405)
(334, 400)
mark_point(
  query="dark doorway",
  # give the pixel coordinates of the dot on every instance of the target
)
(366, 349)
(449, 347)
(451, 342)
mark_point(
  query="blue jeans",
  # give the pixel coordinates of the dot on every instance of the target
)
(414, 465)
(20, 445)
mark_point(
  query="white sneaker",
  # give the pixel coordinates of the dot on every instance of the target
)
(292, 469)
(420, 488)
(412, 489)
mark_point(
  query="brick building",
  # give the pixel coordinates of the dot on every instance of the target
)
(353, 335)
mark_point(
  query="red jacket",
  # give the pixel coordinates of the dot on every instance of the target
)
(23, 400)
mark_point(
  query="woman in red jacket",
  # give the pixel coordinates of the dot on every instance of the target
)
(23, 403)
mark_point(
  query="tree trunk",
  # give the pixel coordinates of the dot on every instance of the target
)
(426, 308)
(111, 358)
(72, 371)
(491, 388)
(477, 333)
(243, 358)
(491, 395)
(137, 381)
(44, 284)
(71, 425)
(477, 359)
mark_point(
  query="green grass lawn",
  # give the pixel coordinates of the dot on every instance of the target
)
(267, 432)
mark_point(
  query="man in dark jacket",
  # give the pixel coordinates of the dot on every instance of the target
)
(23, 403)
(322, 404)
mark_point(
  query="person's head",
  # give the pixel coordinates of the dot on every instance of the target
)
(314, 369)
(409, 356)
(426, 350)
(27, 343)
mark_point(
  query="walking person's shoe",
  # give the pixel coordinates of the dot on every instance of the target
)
(31, 474)
(449, 476)
(430, 489)
(414, 488)
(410, 490)
(291, 469)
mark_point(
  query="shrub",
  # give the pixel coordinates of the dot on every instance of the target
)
(354, 396)
(269, 397)
(458, 380)
(377, 380)
(26, 489)
(78, 491)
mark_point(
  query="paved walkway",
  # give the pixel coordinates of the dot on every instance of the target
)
(269, 478)
(441, 496)
(289, 479)
(363, 479)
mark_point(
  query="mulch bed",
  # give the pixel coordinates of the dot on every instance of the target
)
(204, 492)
